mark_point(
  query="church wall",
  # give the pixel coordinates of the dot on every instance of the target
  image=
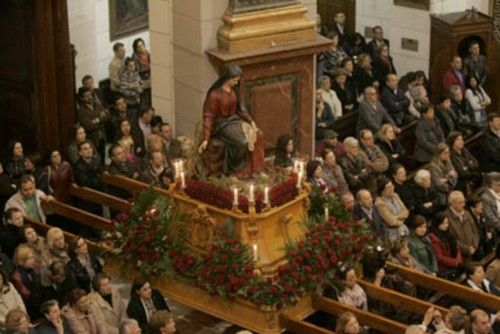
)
(402, 22)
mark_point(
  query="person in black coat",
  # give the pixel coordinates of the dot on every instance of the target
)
(490, 145)
(402, 186)
(377, 41)
(446, 115)
(80, 260)
(382, 64)
(324, 117)
(88, 174)
(346, 92)
(62, 281)
(7, 188)
(395, 101)
(426, 199)
(364, 73)
(463, 113)
(141, 129)
(390, 145)
(120, 166)
(144, 301)
(10, 236)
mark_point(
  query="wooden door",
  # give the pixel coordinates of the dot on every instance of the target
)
(328, 8)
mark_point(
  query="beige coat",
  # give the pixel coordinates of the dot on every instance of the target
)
(493, 272)
(79, 323)
(375, 158)
(464, 231)
(113, 316)
(9, 300)
(389, 218)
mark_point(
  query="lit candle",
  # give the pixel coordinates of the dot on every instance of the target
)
(181, 165)
(255, 252)
(235, 196)
(266, 195)
(299, 179)
(295, 165)
(327, 213)
(301, 165)
(183, 180)
(251, 190)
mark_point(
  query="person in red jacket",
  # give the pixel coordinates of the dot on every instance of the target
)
(445, 248)
(454, 75)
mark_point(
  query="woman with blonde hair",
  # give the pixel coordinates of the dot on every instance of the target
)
(57, 249)
(162, 322)
(347, 324)
(390, 145)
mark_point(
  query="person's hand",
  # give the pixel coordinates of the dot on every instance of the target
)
(49, 198)
(489, 235)
(428, 205)
(428, 316)
(375, 84)
(203, 146)
(472, 250)
(397, 130)
(379, 277)
(349, 107)
(497, 316)
(58, 324)
(28, 165)
(322, 125)
(254, 125)
(135, 175)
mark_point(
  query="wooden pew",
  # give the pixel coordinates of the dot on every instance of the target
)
(345, 126)
(95, 196)
(128, 184)
(300, 326)
(447, 287)
(365, 318)
(77, 215)
(399, 300)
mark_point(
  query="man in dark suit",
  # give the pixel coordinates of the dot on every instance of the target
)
(141, 129)
(120, 166)
(340, 28)
(172, 145)
(88, 81)
(490, 145)
(395, 101)
(88, 174)
(372, 113)
(377, 41)
(365, 209)
(475, 63)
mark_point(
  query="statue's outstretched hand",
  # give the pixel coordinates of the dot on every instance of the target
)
(203, 146)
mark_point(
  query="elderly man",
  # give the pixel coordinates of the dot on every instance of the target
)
(462, 224)
(490, 145)
(357, 173)
(372, 113)
(395, 100)
(462, 112)
(29, 199)
(366, 210)
(491, 201)
(374, 158)
(454, 75)
(480, 322)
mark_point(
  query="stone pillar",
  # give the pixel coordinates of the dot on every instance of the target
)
(162, 62)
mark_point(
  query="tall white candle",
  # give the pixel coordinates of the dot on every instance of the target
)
(299, 179)
(327, 213)
(183, 180)
(251, 193)
(266, 195)
(296, 165)
(301, 167)
(235, 196)
(255, 252)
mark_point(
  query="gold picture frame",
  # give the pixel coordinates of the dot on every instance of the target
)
(127, 17)
(417, 4)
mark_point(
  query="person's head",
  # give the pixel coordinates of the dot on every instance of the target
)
(440, 222)
(231, 75)
(399, 173)
(29, 234)
(161, 322)
(494, 121)
(319, 97)
(341, 77)
(166, 132)
(57, 271)
(125, 127)
(14, 216)
(392, 81)
(77, 299)
(474, 48)
(334, 38)
(474, 272)
(17, 321)
(156, 159)
(15, 148)
(118, 154)
(156, 123)
(475, 203)
(414, 329)
(166, 177)
(386, 132)
(141, 288)
(420, 78)
(365, 199)
(146, 115)
(456, 200)
(378, 33)
(347, 201)
(480, 322)
(331, 138)
(102, 284)
(340, 18)
(442, 152)
(370, 94)
(455, 140)
(347, 275)
(400, 248)
(328, 157)
(80, 134)
(347, 64)
(138, 45)
(88, 81)
(85, 150)
(27, 186)
(119, 50)
(51, 311)
(325, 83)
(419, 225)
(445, 102)
(456, 63)
(129, 65)
(493, 180)
(366, 137)
(423, 178)
(78, 247)
(24, 257)
(313, 169)
(347, 324)
(383, 51)
(130, 326)
(427, 111)
(120, 103)
(351, 146)
(55, 158)
(457, 319)
(373, 261)
(455, 93)
(85, 95)
(365, 60)
(471, 81)
(385, 187)
(4, 282)
(55, 238)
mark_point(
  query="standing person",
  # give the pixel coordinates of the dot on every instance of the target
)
(60, 177)
(224, 119)
(372, 113)
(374, 158)
(332, 173)
(444, 244)
(315, 176)
(377, 41)
(428, 135)
(443, 175)
(116, 65)
(162, 322)
(72, 149)
(491, 201)
(421, 246)
(333, 57)
(172, 146)
(346, 92)
(364, 74)
(285, 151)
(83, 317)
(487, 234)
(489, 148)
(462, 224)
(392, 210)
(98, 97)
(141, 130)
(340, 28)
(402, 186)
(17, 164)
(83, 264)
(454, 75)
(466, 165)
(142, 64)
(325, 118)
(478, 99)
(131, 86)
(390, 145)
(382, 64)
(9, 299)
(329, 96)
(475, 63)
(356, 171)
(395, 100)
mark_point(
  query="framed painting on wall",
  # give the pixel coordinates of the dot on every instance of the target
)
(417, 4)
(127, 17)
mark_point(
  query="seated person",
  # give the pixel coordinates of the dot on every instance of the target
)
(428, 135)
(124, 139)
(421, 247)
(489, 148)
(162, 322)
(329, 96)
(357, 172)
(402, 186)
(333, 174)
(351, 293)
(390, 145)
(491, 201)
(365, 209)
(157, 164)
(324, 116)
(223, 119)
(345, 91)
(462, 224)
(373, 156)
(466, 122)
(285, 151)
(443, 175)
(28, 199)
(395, 101)
(82, 316)
(425, 199)
(62, 282)
(17, 164)
(371, 113)
(331, 142)
(52, 321)
(83, 264)
(347, 324)
(465, 164)
(400, 254)
(10, 298)
(493, 270)
(144, 302)
(392, 210)
(72, 150)
(10, 236)
(315, 176)
(446, 115)
(444, 244)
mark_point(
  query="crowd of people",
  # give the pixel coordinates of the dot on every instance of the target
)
(440, 218)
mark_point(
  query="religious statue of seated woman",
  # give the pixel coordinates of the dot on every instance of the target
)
(232, 144)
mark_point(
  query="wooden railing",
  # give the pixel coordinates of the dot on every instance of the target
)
(95, 196)
(300, 326)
